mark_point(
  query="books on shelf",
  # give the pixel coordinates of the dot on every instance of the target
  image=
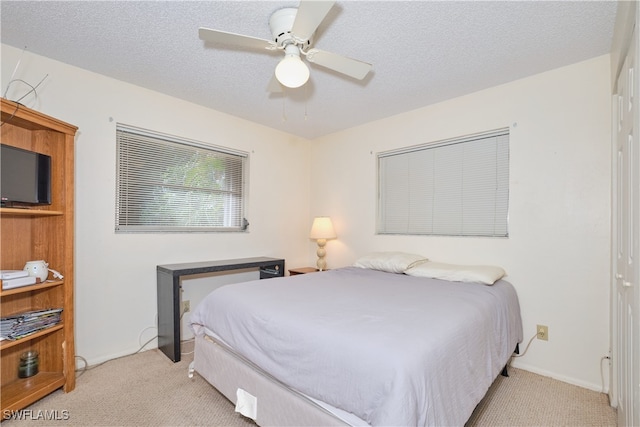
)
(18, 282)
(23, 324)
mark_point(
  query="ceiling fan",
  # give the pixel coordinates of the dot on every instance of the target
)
(292, 30)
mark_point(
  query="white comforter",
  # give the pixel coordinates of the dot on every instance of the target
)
(392, 349)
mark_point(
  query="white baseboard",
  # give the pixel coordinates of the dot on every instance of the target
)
(98, 360)
(569, 380)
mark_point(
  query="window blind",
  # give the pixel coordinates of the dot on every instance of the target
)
(166, 183)
(457, 187)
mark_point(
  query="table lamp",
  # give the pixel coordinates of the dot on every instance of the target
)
(321, 230)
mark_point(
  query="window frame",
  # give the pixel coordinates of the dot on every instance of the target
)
(407, 195)
(178, 143)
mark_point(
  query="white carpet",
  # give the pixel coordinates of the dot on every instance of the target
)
(147, 389)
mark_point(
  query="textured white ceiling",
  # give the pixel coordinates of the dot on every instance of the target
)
(422, 52)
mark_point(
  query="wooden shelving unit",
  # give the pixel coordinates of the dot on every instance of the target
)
(28, 212)
(39, 233)
(36, 287)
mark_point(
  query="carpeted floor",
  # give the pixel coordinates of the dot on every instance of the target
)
(528, 399)
(147, 389)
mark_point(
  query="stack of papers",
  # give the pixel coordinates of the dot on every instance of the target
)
(16, 278)
(24, 324)
(13, 274)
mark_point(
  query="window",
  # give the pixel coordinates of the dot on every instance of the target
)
(165, 183)
(457, 187)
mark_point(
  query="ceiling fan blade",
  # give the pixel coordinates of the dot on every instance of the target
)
(310, 14)
(274, 85)
(223, 37)
(342, 64)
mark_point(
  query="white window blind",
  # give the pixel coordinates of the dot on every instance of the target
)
(165, 183)
(457, 187)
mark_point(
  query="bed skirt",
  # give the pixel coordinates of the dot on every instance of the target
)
(277, 405)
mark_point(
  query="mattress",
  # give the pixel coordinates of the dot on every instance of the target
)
(389, 348)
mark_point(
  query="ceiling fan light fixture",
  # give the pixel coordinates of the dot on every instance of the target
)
(291, 71)
(292, 31)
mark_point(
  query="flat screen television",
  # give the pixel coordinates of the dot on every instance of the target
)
(25, 177)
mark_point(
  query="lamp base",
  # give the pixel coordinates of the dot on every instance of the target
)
(321, 252)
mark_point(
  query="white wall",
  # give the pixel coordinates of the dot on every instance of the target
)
(116, 273)
(557, 253)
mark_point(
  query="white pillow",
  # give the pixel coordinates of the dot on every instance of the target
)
(487, 274)
(391, 262)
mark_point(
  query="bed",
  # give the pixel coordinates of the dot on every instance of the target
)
(356, 346)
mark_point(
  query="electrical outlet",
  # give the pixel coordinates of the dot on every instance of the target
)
(186, 306)
(543, 332)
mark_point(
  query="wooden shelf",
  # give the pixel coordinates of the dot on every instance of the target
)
(24, 391)
(29, 288)
(39, 232)
(29, 212)
(5, 344)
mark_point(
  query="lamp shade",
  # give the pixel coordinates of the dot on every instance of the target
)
(291, 71)
(322, 228)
